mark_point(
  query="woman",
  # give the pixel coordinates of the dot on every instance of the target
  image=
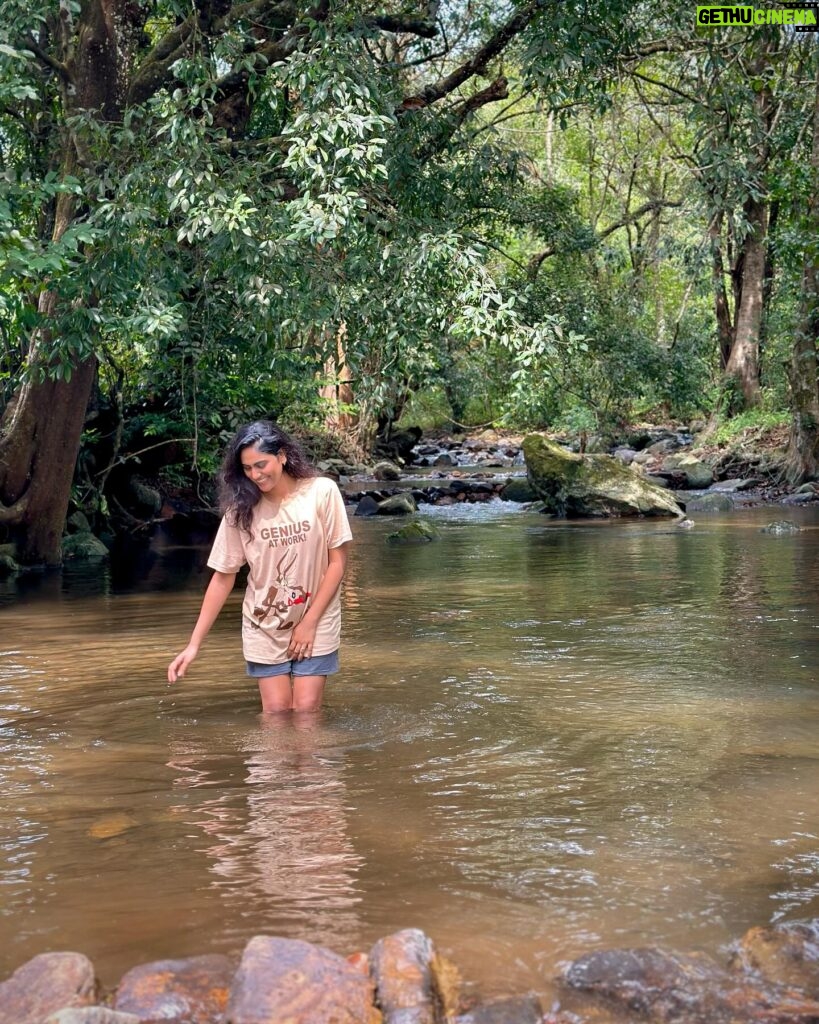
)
(289, 525)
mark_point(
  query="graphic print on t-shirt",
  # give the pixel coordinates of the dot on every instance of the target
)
(282, 597)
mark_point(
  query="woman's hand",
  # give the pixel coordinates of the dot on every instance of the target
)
(303, 635)
(179, 666)
(301, 641)
(220, 586)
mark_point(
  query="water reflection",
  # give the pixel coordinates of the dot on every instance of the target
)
(281, 844)
(545, 737)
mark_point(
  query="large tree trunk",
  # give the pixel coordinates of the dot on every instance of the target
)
(722, 310)
(741, 369)
(338, 394)
(743, 362)
(802, 461)
(41, 437)
(41, 428)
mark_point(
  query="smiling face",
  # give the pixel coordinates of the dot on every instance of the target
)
(265, 470)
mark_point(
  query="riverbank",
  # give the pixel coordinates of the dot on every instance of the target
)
(442, 469)
(413, 468)
(771, 976)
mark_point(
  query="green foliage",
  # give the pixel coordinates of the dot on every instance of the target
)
(752, 421)
(223, 262)
(427, 409)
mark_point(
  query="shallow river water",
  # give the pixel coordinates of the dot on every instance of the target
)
(546, 738)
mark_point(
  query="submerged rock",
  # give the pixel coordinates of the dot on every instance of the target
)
(591, 485)
(785, 954)
(781, 527)
(110, 825)
(92, 1015)
(417, 532)
(517, 1010)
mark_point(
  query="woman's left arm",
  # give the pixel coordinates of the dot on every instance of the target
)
(305, 631)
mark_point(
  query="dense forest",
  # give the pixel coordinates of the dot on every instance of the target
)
(544, 214)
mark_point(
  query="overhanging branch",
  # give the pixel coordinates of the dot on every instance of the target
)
(652, 206)
(497, 90)
(31, 44)
(475, 65)
(411, 26)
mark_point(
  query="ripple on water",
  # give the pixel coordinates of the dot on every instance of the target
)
(544, 737)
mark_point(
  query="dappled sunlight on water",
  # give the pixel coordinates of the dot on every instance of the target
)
(546, 737)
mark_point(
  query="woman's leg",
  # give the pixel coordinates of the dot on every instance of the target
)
(276, 693)
(307, 692)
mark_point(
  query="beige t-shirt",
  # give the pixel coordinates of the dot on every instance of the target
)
(286, 551)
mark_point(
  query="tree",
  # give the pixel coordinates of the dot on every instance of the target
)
(802, 458)
(741, 94)
(224, 184)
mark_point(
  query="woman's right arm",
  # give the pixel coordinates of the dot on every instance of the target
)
(220, 586)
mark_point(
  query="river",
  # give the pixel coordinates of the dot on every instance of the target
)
(547, 737)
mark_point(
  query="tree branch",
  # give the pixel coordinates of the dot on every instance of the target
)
(412, 26)
(155, 68)
(476, 64)
(669, 88)
(652, 206)
(497, 90)
(30, 43)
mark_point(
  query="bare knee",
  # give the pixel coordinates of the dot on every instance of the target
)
(306, 704)
(308, 692)
(276, 694)
(275, 707)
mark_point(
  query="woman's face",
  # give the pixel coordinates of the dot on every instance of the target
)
(263, 469)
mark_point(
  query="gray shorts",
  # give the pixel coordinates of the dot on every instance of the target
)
(321, 665)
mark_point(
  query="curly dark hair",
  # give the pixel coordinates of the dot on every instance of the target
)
(238, 496)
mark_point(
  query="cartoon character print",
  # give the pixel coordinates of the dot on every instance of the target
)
(282, 596)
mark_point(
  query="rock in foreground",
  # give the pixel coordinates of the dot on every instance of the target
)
(772, 978)
(49, 982)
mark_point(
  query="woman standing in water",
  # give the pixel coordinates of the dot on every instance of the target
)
(290, 527)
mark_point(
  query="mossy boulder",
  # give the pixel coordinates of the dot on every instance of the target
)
(416, 532)
(591, 485)
(519, 490)
(697, 474)
(397, 505)
(715, 501)
(83, 547)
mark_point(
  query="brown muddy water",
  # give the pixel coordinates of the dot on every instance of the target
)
(546, 738)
